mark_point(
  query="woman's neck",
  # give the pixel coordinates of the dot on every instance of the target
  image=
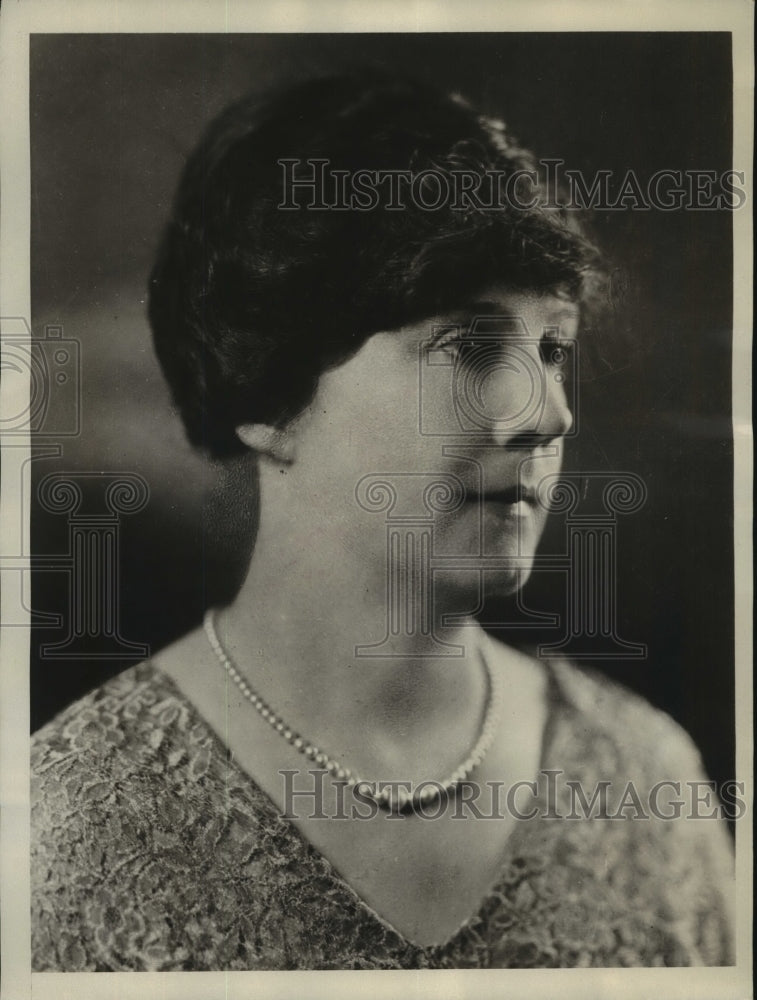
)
(295, 628)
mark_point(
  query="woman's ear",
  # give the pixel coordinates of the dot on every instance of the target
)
(274, 442)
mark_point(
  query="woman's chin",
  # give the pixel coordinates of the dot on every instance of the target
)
(466, 591)
(505, 583)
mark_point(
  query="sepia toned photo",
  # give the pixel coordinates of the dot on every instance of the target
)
(379, 535)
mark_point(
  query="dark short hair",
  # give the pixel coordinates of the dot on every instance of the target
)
(250, 303)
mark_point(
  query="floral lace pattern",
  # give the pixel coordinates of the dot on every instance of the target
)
(152, 850)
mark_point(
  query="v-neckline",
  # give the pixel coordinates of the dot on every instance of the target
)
(290, 829)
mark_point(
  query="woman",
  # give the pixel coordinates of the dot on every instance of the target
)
(363, 304)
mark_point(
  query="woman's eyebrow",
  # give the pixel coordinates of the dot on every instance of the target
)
(477, 309)
(570, 310)
(481, 306)
(485, 307)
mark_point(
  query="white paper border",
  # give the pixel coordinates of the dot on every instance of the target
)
(20, 19)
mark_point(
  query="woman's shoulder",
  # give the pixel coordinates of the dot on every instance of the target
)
(108, 696)
(599, 730)
(611, 714)
(115, 750)
(134, 738)
(128, 710)
(655, 831)
(136, 809)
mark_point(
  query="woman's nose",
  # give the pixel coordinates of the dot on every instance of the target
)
(530, 409)
(557, 418)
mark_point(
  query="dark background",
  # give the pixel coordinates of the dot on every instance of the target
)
(112, 119)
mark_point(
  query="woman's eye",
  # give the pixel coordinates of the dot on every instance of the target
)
(458, 345)
(453, 346)
(451, 343)
(555, 351)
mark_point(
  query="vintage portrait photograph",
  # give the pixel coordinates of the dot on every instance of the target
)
(380, 543)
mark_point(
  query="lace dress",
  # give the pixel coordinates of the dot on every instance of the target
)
(152, 850)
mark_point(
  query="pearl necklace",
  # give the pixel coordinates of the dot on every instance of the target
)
(427, 792)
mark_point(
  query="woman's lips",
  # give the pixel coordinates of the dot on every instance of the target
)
(512, 495)
(515, 501)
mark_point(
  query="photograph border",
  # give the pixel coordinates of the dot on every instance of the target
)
(17, 22)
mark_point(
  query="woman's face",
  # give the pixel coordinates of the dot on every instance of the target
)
(475, 401)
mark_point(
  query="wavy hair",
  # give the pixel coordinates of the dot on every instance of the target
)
(249, 303)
